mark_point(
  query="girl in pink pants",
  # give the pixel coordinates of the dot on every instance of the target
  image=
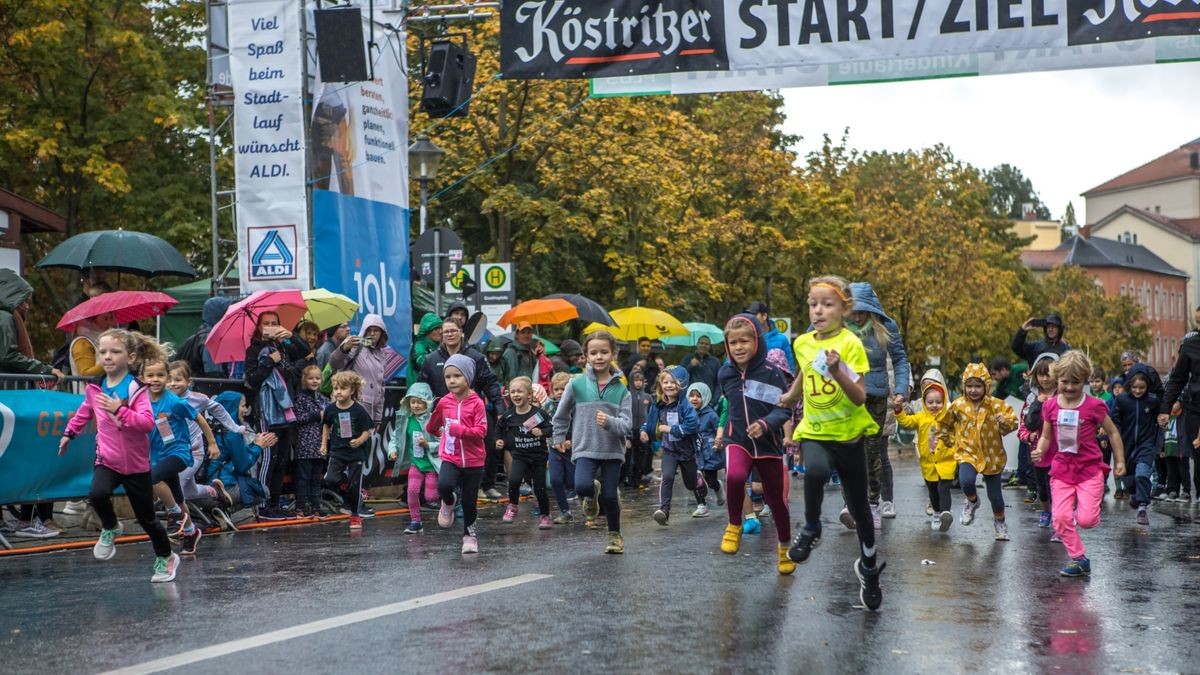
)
(1070, 421)
(413, 446)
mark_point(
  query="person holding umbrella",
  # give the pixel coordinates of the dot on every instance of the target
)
(82, 353)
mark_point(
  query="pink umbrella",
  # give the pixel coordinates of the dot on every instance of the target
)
(126, 305)
(230, 337)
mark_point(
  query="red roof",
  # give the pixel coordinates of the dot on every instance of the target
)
(1175, 164)
(1043, 261)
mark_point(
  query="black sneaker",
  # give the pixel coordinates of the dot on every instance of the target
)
(269, 514)
(188, 542)
(870, 594)
(366, 511)
(802, 545)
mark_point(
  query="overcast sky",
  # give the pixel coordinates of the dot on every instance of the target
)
(1068, 131)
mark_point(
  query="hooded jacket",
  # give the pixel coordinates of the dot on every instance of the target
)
(935, 450)
(400, 448)
(13, 290)
(1029, 351)
(576, 413)
(979, 429)
(485, 383)
(708, 457)
(1137, 419)
(422, 346)
(518, 360)
(706, 368)
(877, 384)
(376, 365)
(122, 439)
(754, 395)
(462, 426)
(1183, 382)
(682, 440)
(235, 465)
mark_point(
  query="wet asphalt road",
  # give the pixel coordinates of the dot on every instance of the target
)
(672, 603)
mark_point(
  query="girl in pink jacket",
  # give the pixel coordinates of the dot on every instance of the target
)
(460, 419)
(120, 406)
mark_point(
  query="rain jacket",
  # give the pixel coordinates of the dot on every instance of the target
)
(681, 442)
(754, 395)
(463, 426)
(274, 402)
(978, 434)
(576, 413)
(935, 450)
(235, 465)
(259, 366)
(708, 457)
(1183, 383)
(877, 383)
(309, 407)
(123, 439)
(518, 359)
(1029, 351)
(1137, 419)
(400, 447)
(421, 348)
(376, 365)
(14, 289)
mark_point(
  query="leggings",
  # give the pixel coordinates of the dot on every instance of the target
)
(1042, 481)
(667, 487)
(535, 470)
(880, 483)
(850, 461)
(562, 478)
(995, 495)
(167, 471)
(140, 490)
(451, 476)
(275, 464)
(739, 464)
(939, 494)
(416, 481)
(712, 481)
(586, 469)
(187, 479)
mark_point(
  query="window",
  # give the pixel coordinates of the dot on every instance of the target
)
(1122, 290)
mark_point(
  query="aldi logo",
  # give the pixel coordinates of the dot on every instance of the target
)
(273, 257)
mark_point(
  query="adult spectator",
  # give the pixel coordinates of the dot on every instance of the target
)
(458, 313)
(1009, 379)
(369, 355)
(569, 359)
(775, 339)
(642, 361)
(333, 339)
(702, 366)
(429, 334)
(1052, 332)
(16, 356)
(307, 330)
(519, 358)
(85, 345)
(1183, 385)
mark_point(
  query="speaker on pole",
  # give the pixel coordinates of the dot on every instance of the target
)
(341, 52)
(449, 79)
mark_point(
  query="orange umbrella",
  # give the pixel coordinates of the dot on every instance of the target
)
(540, 313)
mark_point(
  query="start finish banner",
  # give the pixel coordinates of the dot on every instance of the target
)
(576, 38)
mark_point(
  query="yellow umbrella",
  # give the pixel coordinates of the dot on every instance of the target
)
(328, 309)
(634, 323)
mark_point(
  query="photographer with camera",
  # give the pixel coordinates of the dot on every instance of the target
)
(1052, 329)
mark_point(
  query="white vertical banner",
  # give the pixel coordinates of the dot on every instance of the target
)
(265, 62)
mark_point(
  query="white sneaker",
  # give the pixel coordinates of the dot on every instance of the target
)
(75, 508)
(446, 514)
(36, 530)
(968, 512)
(935, 523)
(929, 509)
(470, 544)
(106, 545)
(846, 519)
(701, 511)
(887, 510)
(945, 520)
(165, 568)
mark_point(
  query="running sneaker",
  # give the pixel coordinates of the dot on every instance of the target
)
(751, 525)
(165, 568)
(36, 529)
(591, 505)
(945, 520)
(446, 514)
(175, 522)
(803, 545)
(661, 517)
(1054, 538)
(784, 563)
(223, 520)
(188, 542)
(1143, 518)
(1121, 494)
(731, 541)
(887, 510)
(1044, 519)
(106, 545)
(836, 479)
(356, 522)
(929, 508)
(563, 518)
(1079, 567)
(525, 490)
(1030, 498)
(846, 519)
(1184, 497)
(968, 512)
(935, 523)
(492, 494)
(365, 510)
(268, 514)
(869, 592)
(1167, 496)
(470, 544)
(414, 527)
(75, 508)
(701, 511)
(765, 512)
(720, 493)
(616, 543)
(1013, 481)
(222, 493)
(510, 513)
(1001, 530)
(544, 523)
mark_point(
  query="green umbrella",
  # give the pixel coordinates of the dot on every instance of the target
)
(120, 251)
(695, 332)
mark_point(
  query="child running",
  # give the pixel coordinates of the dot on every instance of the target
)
(562, 471)
(597, 408)
(1135, 413)
(414, 446)
(309, 406)
(675, 424)
(345, 430)
(934, 450)
(1077, 470)
(525, 432)
(1042, 387)
(201, 436)
(120, 406)
(709, 459)
(979, 422)
(831, 362)
(170, 451)
(460, 418)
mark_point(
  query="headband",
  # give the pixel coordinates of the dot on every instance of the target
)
(840, 293)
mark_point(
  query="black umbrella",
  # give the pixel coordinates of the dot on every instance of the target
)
(120, 251)
(590, 311)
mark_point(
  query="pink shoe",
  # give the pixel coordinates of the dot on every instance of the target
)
(510, 513)
(446, 514)
(544, 523)
(470, 544)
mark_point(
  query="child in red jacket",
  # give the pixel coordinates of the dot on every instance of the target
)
(460, 418)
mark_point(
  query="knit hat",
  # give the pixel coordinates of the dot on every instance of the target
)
(705, 392)
(463, 364)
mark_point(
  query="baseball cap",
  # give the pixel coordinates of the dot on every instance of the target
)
(758, 307)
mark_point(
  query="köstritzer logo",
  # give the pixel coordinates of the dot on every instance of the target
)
(1094, 21)
(272, 258)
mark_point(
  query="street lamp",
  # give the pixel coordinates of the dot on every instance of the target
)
(427, 158)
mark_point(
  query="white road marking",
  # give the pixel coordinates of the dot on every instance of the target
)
(205, 653)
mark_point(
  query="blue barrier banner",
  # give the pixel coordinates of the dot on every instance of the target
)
(31, 424)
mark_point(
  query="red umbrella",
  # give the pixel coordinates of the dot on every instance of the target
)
(230, 337)
(126, 305)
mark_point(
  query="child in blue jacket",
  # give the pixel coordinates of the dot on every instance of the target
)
(675, 424)
(709, 459)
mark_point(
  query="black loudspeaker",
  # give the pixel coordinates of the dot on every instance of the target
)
(340, 48)
(449, 79)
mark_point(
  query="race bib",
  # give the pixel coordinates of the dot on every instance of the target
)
(449, 437)
(345, 428)
(531, 423)
(761, 391)
(820, 365)
(672, 420)
(164, 428)
(417, 450)
(1068, 431)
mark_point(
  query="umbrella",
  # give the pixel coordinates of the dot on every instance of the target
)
(589, 310)
(230, 337)
(634, 323)
(119, 250)
(328, 309)
(126, 305)
(540, 313)
(696, 331)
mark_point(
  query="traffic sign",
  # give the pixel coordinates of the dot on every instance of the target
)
(783, 325)
(422, 254)
(496, 281)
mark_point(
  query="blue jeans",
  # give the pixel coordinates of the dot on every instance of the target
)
(1141, 478)
(562, 478)
(966, 478)
(1025, 469)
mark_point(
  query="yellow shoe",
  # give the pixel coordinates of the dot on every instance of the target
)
(732, 539)
(786, 566)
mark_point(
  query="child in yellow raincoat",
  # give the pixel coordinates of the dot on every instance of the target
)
(934, 449)
(978, 423)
